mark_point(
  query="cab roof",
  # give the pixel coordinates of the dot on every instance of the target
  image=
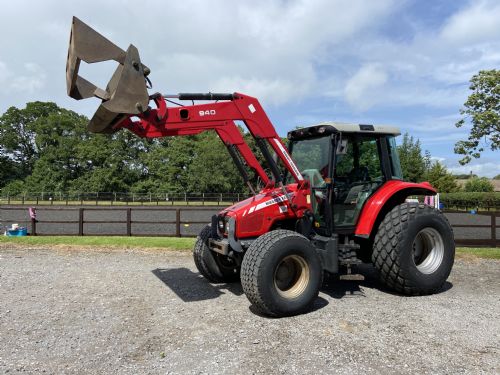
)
(330, 127)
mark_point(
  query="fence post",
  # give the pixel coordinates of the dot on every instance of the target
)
(129, 221)
(493, 230)
(80, 221)
(202, 199)
(178, 222)
(33, 226)
(8, 199)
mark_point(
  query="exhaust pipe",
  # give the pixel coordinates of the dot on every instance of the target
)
(126, 92)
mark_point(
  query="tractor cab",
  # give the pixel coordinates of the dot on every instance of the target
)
(345, 165)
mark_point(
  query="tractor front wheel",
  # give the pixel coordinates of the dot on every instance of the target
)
(281, 273)
(414, 249)
(215, 267)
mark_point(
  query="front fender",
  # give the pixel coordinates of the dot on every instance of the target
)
(393, 192)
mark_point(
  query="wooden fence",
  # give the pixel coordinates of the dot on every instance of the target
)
(470, 230)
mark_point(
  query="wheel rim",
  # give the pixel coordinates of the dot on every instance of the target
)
(291, 276)
(226, 264)
(428, 250)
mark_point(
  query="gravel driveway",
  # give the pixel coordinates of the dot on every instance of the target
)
(130, 312)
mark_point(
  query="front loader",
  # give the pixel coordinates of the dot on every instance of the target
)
(332, 199)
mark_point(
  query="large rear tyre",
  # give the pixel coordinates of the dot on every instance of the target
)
(414, 249)
(281, 273)
(215, 267)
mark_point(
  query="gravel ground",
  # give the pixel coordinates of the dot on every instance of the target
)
(129, 312)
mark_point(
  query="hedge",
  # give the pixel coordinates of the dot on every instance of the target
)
(471, 200)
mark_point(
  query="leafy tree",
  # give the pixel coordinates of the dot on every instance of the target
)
(198, 163)
(17, 134)
(480, 185)
(464, 176)
(7, 170)
(482, 110)
(413, 164)
(497, 177)
(212, 168)
(109, 163)
(441, 179)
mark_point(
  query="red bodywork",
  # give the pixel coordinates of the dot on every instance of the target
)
(392, 188)
(256, 215)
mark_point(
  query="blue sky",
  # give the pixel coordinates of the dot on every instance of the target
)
(399, 62)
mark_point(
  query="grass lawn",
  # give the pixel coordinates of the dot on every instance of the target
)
(176, 243)
(480, 252)
(110, 241)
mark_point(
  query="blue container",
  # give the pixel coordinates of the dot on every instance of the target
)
(21, 231)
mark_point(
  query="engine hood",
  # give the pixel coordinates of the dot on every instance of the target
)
(256, 215)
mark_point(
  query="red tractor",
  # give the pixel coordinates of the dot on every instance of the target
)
(331, 200)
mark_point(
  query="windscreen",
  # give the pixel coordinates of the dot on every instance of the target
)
(311, 157)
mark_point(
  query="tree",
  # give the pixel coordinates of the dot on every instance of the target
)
(7, 170)
(17, 135)
(481, 185)
(413, 164)
(39, 145)
(482, 110)
(441, 179)
(109, 163)
(464, 176)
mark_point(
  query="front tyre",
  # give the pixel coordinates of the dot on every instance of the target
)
(414, 249)
(215, 267)
(281, 273)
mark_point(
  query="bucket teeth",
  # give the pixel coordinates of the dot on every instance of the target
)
(125, 94)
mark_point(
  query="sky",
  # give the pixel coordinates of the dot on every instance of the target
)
(405, 63)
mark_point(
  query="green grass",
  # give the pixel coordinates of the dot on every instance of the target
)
(479, 252)
(176, 243)
(110, 241)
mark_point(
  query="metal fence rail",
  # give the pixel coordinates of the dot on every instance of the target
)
(481, 229)
(112, 198)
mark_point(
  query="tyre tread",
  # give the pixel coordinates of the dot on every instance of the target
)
(386, 249)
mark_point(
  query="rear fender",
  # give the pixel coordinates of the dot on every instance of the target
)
(392, 193)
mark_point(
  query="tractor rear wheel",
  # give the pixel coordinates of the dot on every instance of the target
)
(414, 249)
(214, 267)
(281, 273)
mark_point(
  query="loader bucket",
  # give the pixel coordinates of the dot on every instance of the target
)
(126, 92)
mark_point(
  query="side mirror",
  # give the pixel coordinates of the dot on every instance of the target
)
(341, 147)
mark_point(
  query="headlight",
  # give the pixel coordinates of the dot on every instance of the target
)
(221, 224)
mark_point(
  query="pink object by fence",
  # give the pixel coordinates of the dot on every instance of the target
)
(32, 211)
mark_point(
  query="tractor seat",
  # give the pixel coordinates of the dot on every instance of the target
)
(358, 174)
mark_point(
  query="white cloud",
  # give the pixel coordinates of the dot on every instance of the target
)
(479, 22)
(483, 169)
(362, 88)
(271, 47)
(29, 78)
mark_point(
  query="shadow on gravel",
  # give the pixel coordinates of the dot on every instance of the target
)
(336, 288)
(191, 286)
(319, 303)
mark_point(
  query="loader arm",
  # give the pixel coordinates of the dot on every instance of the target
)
(164, 121)
(125, 105)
